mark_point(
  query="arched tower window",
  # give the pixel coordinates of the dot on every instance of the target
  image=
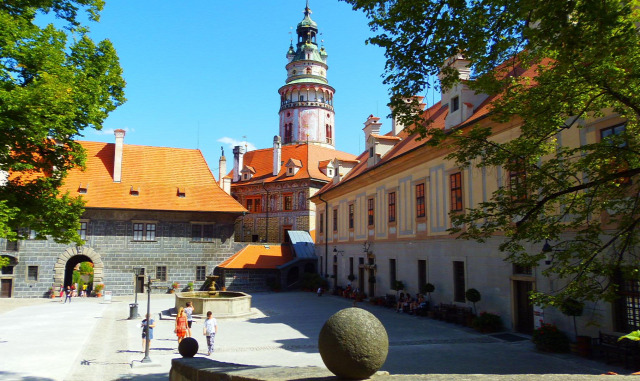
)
(329, 134)
(309, 70)
(288, 133)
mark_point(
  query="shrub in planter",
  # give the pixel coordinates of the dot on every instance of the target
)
(428, 289)
(487, 322)
(549, 338)
(572, 307)
(473, 296)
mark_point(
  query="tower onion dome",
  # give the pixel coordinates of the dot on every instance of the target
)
(307, 29)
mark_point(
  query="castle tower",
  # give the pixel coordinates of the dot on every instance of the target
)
(306, 100)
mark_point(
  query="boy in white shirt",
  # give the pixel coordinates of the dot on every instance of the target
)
(210, 329)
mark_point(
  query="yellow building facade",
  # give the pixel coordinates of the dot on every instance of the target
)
(386, 219)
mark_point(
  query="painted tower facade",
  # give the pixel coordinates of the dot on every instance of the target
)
(306, 101)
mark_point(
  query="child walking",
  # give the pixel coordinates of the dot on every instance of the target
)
(210, 329)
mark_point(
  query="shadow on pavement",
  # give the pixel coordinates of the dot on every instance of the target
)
(17, 376)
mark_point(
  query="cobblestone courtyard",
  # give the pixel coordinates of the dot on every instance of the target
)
(93, 340)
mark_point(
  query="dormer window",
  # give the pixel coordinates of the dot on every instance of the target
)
(290, 171)
(455, 103)
(182, 193)
(82, 189)
(293, 165)
(134, 191)
(330, 172)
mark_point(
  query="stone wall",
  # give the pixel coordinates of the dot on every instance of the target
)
(248, 280)
(110, 236)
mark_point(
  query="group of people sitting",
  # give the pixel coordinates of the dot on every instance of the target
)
(350, 292)
(410, 305)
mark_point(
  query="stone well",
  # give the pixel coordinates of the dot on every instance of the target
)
(222, 304)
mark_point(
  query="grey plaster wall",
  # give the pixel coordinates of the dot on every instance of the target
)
(110, 235)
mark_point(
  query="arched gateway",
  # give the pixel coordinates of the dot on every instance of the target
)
(75, 255)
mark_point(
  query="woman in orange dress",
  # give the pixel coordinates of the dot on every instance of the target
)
(181, 324)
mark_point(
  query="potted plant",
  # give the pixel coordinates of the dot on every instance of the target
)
(98, 289)
(549, 339)
(190, 286)
(174, 287)
(428, 288)
(473, 296)
(51, 293)
(572, 307)
(397, 286)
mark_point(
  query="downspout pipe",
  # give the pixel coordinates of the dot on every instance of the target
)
(266, 233)
(326, 232)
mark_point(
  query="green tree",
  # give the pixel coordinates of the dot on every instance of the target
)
(586, 60)
(54, 83)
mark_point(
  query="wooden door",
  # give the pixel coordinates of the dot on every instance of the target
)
(5, 290)
(524, 308)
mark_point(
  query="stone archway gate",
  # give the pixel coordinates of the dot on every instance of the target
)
(60, 266)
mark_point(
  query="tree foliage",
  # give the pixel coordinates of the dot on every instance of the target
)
(586, 57)
(54, 83)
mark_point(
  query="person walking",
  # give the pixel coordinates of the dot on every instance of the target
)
(84, 290)
(189, 311)
(151, 324)
(181, 325)
(210, 329)
(67, 295)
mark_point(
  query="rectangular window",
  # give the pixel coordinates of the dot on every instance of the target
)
(350, 265)
(335, 220)
(288, 202)
(201, 272)
(456, 191)
(370, 210)
(612, 135)
(150, 232)
(420, 206)
(82, 232)
(202, 232)
(249, 205)
(32, 273)
(392, 273)
(392, 207)
(455, 103)
(161, 273)
(422, 274)
(518, 181)
(143, 231)
(321, 223)
(458, 282)
(351, 217)
(12, 246)
(138, 232)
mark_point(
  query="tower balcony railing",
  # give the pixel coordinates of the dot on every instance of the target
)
(289, 104)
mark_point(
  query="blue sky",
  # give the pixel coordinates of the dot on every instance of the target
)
(203, 74)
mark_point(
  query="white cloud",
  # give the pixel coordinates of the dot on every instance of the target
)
(109, 131)
(231, 142)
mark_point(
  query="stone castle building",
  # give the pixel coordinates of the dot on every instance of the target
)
(150, 208)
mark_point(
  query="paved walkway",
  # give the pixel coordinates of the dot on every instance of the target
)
(93, 340)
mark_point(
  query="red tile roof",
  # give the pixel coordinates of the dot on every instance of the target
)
(310, 156)
(259, 257)
(157, 172)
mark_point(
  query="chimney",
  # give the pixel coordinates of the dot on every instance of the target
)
(222, 171)
(371, 126)
(238, 155)
(396, 125)
(277, 154)
(117, 160)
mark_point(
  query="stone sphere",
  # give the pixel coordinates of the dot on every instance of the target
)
(188, 347)
(353, 343)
